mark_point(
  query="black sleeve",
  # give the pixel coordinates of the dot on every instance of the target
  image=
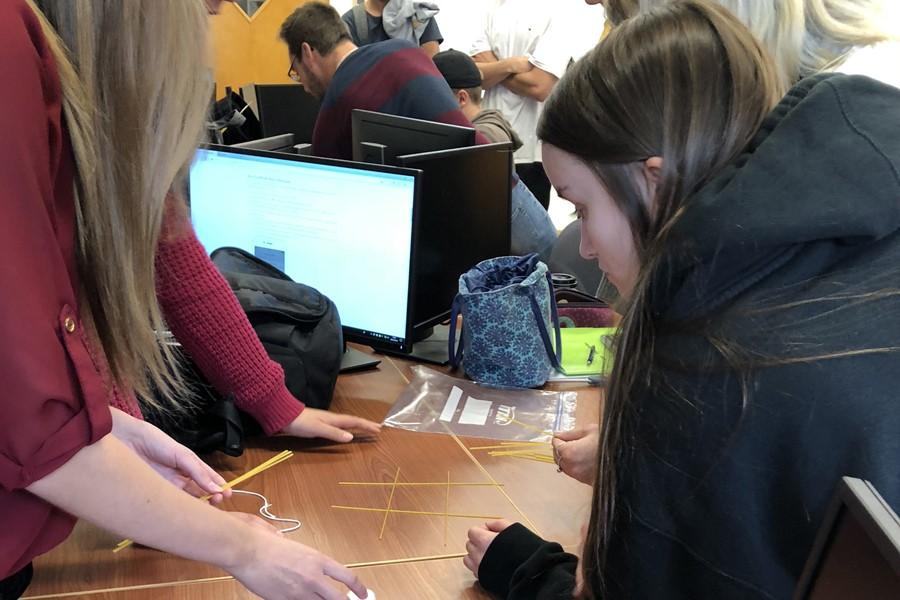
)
(432, 33)
(519, 565)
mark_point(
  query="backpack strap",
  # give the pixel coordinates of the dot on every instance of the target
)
(361, 20)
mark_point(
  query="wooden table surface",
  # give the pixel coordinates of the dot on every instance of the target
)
(306, 487)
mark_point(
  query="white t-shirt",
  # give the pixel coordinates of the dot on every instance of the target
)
(879, 61)
(536, 29)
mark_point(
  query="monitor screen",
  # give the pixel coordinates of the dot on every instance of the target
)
(344, 229)
(464, 219)
(401, 135)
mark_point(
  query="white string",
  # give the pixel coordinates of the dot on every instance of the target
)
(264, 511)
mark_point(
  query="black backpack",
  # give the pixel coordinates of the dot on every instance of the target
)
(300, 330)
(298, 326)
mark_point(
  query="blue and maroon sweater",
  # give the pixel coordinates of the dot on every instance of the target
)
(393, 77)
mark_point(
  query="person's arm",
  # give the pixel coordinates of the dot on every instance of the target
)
(535, 84)
(173, 461)
(208, 321)
(123, 495)
(432, 38)
(431, 48)
(550, 58)
(495, 71)
(515, 564)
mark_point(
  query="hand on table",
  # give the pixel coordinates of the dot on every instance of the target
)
(176, 463)
(480, 539)
(314, 423)
(576, 453)
(284, 570)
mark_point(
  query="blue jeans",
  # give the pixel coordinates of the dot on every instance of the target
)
(531, 227)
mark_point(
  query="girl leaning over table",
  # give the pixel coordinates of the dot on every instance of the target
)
(105, 102)
(756, 242)
(804, 37)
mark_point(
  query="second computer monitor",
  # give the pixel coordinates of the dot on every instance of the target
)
(464, 219)
(283, 108)
(380, 138)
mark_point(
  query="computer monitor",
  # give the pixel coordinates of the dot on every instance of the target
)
(283, 108)
(464, 219)
(345, 229)
(277, 143)
(379, 138)
(857, 551)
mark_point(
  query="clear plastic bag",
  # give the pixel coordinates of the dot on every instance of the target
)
(437, 403)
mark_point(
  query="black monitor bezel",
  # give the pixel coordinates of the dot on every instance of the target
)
(282, 142)
(353, 334)
(305, 102)
(441, 154)
(358, 116)
(880, 523)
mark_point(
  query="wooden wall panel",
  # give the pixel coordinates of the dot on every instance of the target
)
(248, 49)
(231, 59)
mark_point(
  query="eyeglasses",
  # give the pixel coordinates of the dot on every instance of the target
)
(293, 73)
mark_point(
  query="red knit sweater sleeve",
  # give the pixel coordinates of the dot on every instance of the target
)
(208, 321)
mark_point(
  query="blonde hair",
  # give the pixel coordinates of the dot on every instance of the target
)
(802, 36)
(779, 25)
(806, 37)
(135, 96)
(835, 27)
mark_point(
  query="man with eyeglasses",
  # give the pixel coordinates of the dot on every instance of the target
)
(393, 77)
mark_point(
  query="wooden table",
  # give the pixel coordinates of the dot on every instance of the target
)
(306, 487)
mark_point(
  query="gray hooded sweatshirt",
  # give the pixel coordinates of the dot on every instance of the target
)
(494, 126)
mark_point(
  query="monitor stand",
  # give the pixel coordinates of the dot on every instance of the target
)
(432, 349)
(353, 360)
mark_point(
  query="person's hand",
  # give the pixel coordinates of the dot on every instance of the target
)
(519, 64)
(176, 463)
(284, 570)
(480, 539)
(314, 423)
(576, 453)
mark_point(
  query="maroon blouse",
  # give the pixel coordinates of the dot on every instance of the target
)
(53, 400)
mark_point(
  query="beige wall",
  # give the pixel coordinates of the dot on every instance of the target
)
(247, 49)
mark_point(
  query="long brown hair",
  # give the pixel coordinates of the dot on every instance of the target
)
(686, 82)
(135, 92)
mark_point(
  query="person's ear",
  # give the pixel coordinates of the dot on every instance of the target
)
(462, 96)
(652, 171)
(306, 52)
